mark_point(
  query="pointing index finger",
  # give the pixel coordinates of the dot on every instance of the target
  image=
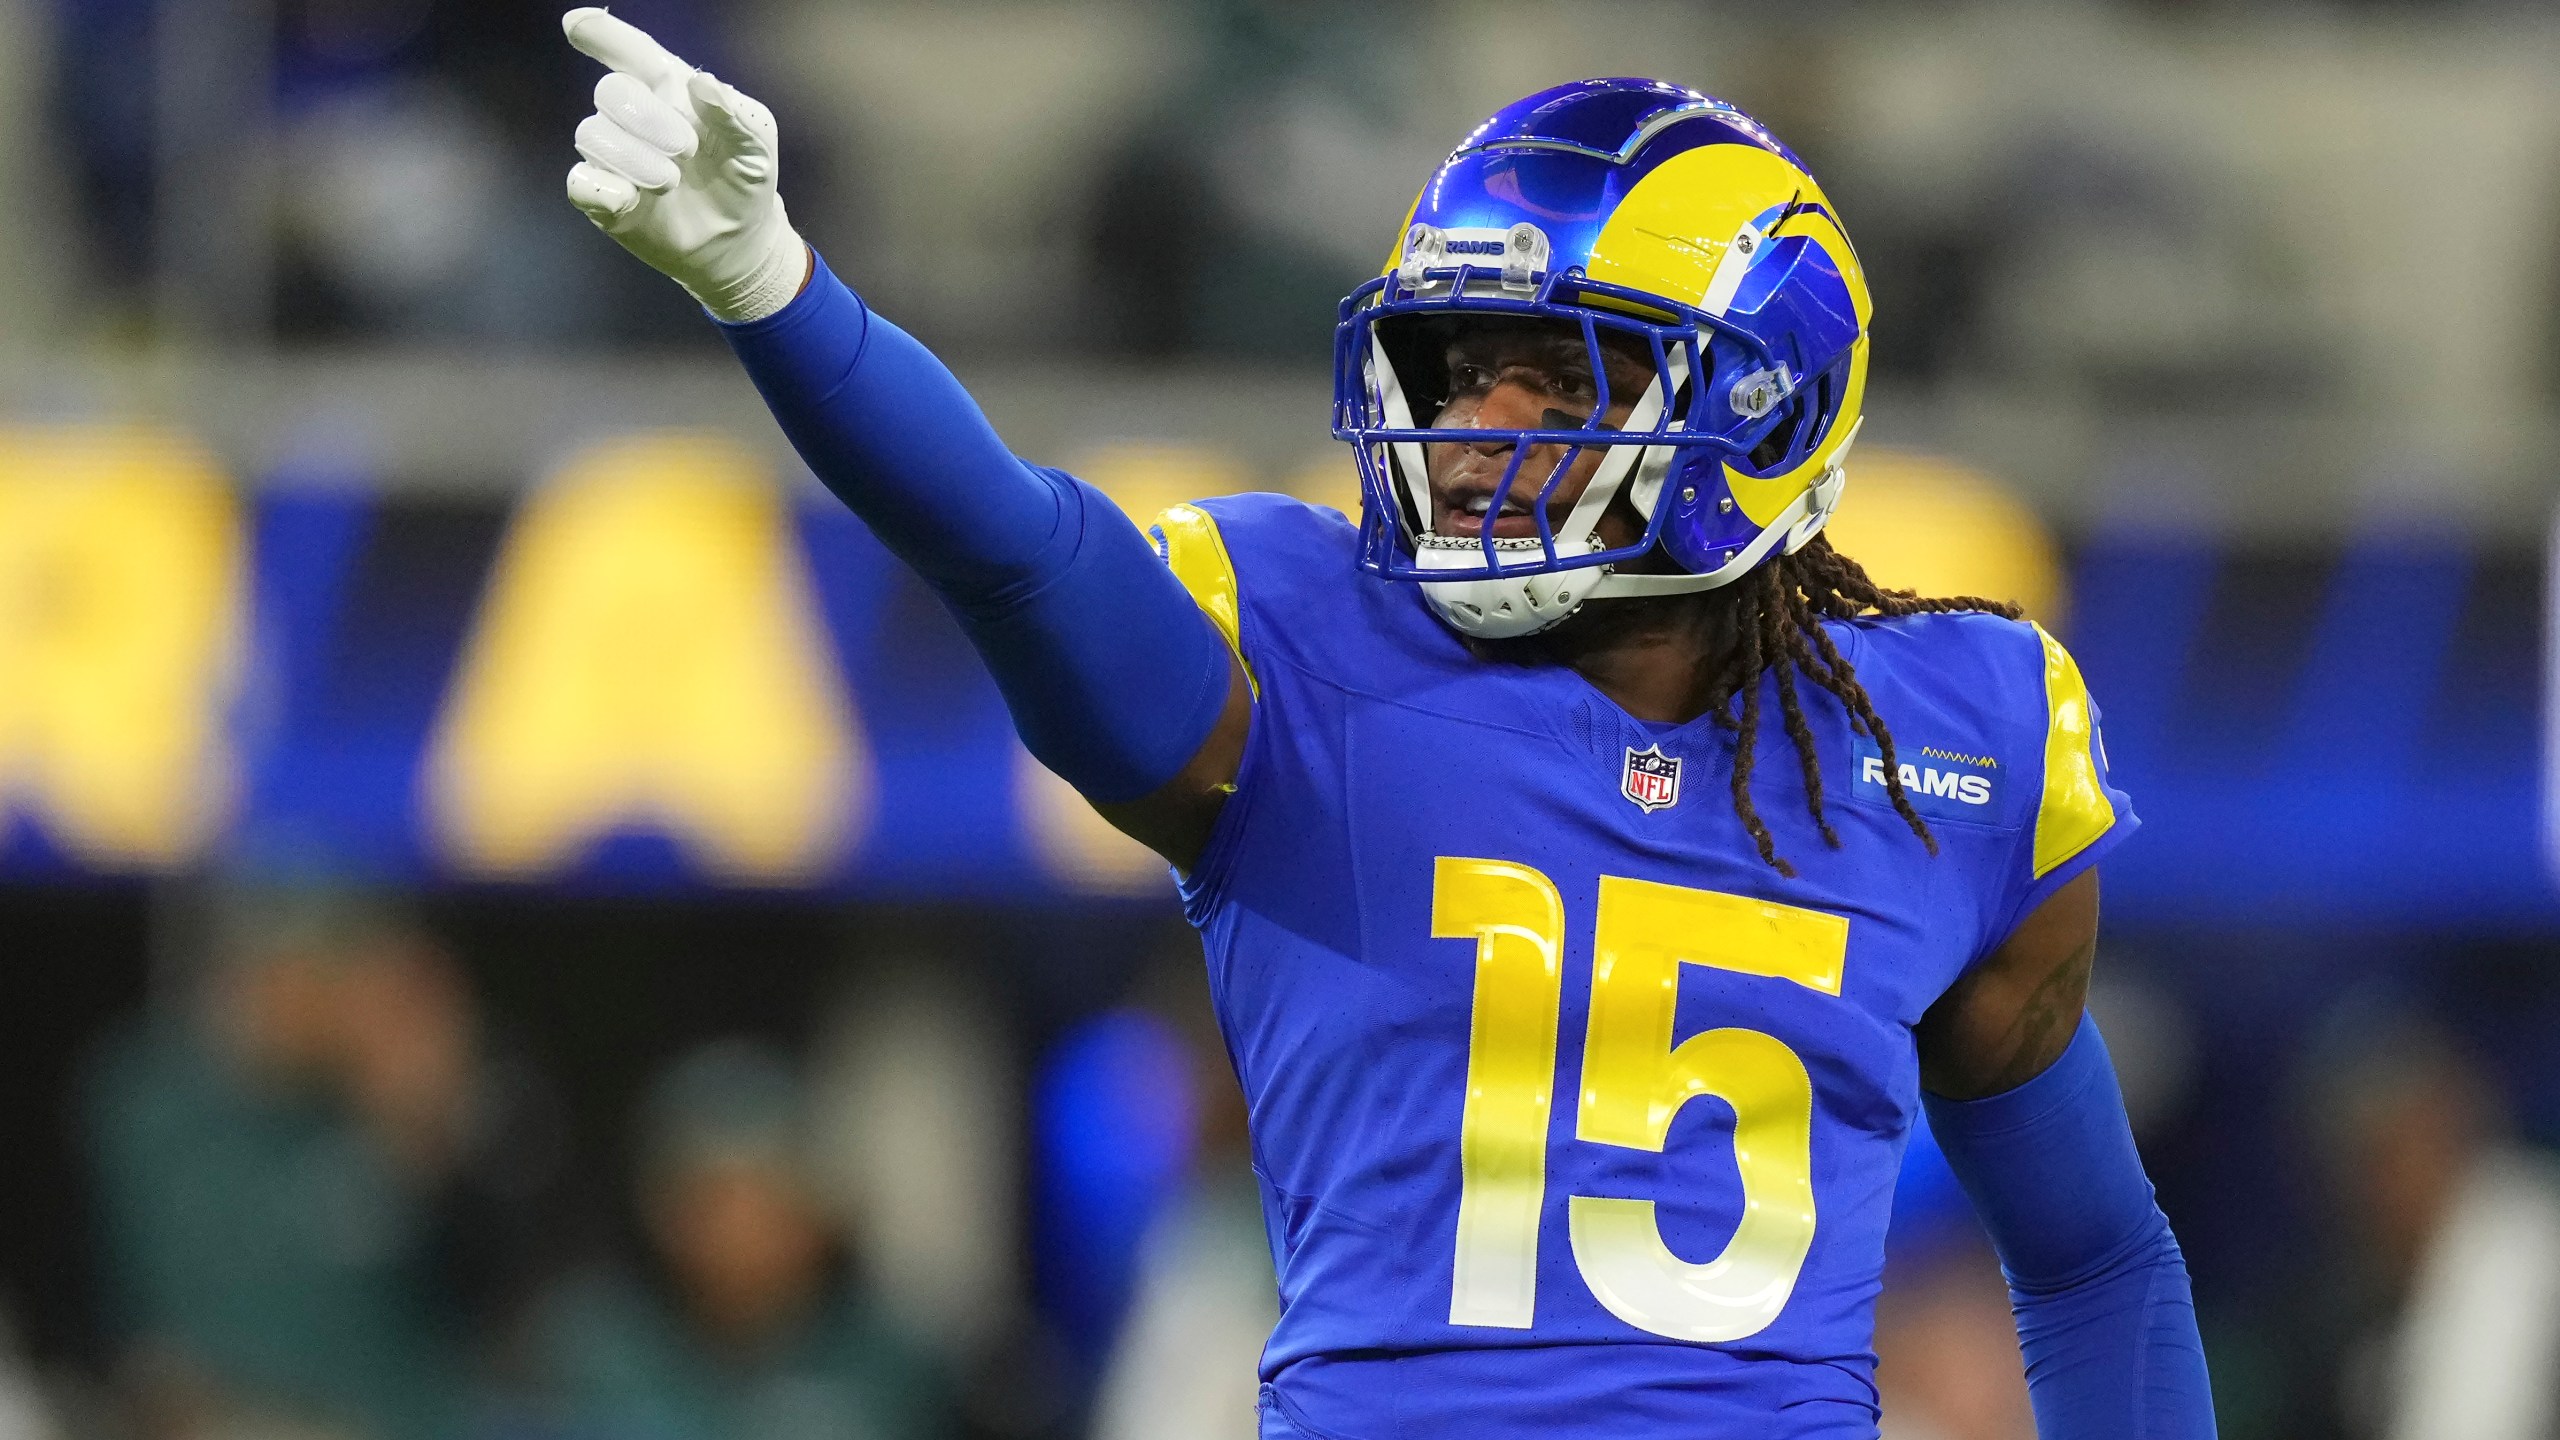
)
(623, 46)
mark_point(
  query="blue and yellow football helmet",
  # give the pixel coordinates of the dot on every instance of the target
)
(1677, 224)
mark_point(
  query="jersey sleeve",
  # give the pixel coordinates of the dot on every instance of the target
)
(1275, 576)
(1278, 577)
(1192, 545)
(2078, 814)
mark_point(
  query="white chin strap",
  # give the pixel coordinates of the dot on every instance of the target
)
(1500, 607)
(1504, 607)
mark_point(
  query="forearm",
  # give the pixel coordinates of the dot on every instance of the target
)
(1113, 675)
(2117, 1353)
(888, 428)
(2105, 1316)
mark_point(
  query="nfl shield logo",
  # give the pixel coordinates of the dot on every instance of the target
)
(1652, 778)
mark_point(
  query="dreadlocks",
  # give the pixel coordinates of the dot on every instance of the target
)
(1776, 622)
(1770, 623)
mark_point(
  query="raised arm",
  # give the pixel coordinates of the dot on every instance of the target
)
(1115, 679)
(2025, 1103)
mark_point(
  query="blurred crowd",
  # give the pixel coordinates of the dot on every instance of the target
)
(334, 1198)
(2420, 1299)
(2148, 257)
(2170, 203)
(334, 1193)
(333, 1202)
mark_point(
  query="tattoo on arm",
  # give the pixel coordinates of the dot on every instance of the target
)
(2044, 1025)
(2014, 1013)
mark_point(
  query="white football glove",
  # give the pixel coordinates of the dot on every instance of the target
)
(680, 168)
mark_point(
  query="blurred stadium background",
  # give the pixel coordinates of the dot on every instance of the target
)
(517, 920)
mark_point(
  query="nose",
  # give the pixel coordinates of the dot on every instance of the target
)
(1512, 405)
(1508, 405)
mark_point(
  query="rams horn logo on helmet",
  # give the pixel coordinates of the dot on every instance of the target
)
(1657, 214)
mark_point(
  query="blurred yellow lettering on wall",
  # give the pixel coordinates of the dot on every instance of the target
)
(1916, 522)
(1074, 844)
(650, 654)
(1146, 476)
(1331, 479)
(120, 633)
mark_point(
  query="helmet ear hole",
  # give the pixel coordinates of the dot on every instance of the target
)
(1801, 421)
(1772, 450)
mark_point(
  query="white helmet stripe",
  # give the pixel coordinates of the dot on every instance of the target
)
(1584, 520)
(1730, 268)
(1658, 459)
(1408, 465)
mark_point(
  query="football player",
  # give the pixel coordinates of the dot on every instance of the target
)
(1581, 1046)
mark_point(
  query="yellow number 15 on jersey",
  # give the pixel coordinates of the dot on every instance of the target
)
(1634, 1080)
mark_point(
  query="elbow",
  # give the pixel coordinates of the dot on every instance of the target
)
(2150, 1248)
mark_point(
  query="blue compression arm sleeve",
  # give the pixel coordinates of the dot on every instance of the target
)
(2105, 1317)
(1114, 677)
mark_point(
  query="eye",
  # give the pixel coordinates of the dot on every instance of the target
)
(1466, 378)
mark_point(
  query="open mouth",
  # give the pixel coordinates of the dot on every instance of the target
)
(1467, 517)
(1460, 507)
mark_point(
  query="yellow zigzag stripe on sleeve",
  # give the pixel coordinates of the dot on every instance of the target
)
(1187, 536)
(2075, 810)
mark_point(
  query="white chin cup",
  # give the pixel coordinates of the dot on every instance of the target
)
(1502, 608)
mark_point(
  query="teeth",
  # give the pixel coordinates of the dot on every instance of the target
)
(1480, 504)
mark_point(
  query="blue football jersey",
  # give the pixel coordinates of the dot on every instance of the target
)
(1572, 1116)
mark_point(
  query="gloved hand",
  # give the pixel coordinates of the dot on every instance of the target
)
(680, 168)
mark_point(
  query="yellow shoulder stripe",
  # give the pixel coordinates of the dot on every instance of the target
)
(2075, 811)
(1192, 546)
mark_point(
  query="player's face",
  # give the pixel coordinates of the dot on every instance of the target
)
(1527, 375)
